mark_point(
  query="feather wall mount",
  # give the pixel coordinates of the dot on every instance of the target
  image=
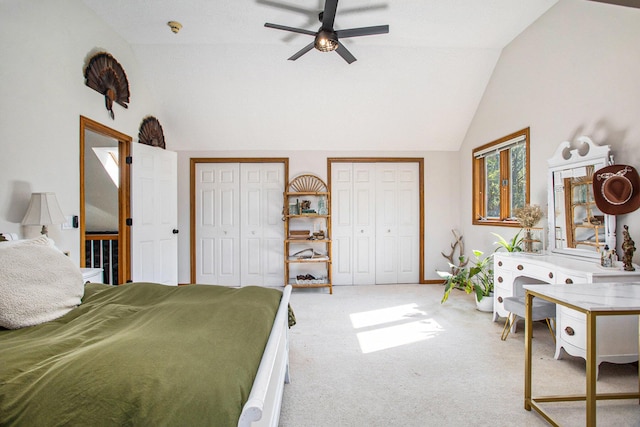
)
(105, 75)
(151, 133)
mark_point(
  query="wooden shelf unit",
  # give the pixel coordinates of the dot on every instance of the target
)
(312, 189)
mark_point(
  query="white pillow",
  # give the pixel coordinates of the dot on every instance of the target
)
(38, 283)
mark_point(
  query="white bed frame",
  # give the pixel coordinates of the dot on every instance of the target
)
(263, 406)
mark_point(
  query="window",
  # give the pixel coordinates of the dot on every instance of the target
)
(501, 179)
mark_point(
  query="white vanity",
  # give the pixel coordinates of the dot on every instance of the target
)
(577, 233)
(617, 339)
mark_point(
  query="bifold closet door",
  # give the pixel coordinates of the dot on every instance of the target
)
(375, 226)
(261, 225)
(239, 229)
(353, 227)
(397, 223)
(218, 223)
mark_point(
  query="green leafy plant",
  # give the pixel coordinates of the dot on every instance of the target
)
(513, 245)
(477, 278)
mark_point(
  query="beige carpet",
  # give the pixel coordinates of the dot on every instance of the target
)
(394, 356)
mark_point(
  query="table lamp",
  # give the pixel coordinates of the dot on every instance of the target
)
(43, 210)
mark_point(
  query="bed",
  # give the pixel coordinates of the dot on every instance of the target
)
(142, 353)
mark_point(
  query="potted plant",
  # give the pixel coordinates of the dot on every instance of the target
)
(513, 245)
(477, 278)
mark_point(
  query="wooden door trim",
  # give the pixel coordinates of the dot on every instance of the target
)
(420, 162)
(192, 194)
(124, 191)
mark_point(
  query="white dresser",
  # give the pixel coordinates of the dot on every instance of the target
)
(617, 339)
(92, 275)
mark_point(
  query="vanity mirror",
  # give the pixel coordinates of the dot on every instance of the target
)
(576, 226)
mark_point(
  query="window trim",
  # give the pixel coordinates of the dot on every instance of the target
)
(478, 180)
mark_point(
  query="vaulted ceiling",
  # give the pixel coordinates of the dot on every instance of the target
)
(224, 81)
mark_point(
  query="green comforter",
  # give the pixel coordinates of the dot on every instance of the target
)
(139, 354)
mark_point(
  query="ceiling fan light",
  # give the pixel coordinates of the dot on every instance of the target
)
(326, 41)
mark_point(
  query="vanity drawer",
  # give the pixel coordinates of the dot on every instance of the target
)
(541, 273)
(572, 328)
(499, 294)
(617, 335)
(563, 278)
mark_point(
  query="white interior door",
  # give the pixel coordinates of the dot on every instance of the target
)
(364, 221)
(261, 225)
(408, 225)
(217, 227)
(154, 211)
(386, 224)
(397, 223)
(342, 223)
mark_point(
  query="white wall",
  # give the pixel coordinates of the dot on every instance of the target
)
(42, 94)
(573, 72)
(441, 185)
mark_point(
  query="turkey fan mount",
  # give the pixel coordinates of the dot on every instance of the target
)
(105, 75)
(151, 133)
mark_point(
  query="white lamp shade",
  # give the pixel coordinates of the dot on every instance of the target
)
(43, 210)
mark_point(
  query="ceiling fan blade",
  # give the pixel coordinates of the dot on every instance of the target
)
(293, 30)
(628, 3)
(358, 9)
(344, 52)
(312, 13)
(363, 31)
(329, 14)
(301, 52)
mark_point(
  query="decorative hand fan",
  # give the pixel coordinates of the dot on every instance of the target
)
(151, 133)
(105, 75)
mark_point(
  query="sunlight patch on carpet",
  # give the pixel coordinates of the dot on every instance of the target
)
(393, 327)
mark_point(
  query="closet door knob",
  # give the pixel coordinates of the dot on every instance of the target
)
(175, 231)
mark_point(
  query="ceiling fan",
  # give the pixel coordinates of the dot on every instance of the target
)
(326, 39)
(628, 3)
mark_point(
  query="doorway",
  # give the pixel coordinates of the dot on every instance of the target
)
(104, 200)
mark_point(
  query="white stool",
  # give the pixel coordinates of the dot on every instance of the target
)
(541, 310)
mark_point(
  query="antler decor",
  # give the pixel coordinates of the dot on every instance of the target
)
(105, 75)
(151, 133)
(460, 245)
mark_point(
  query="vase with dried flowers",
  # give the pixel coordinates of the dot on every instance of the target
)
(528, 216)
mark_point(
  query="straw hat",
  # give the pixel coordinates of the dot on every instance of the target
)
(616, 189)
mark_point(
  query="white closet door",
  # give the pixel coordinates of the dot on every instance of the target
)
(408, 225)
(341, 223)
(397, 223)
(364, 222)
(262, 229)
(154, 210)
(218, 223)
(386, 221)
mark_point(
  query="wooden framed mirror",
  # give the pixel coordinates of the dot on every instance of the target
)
(104, 200)
(576, 225)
